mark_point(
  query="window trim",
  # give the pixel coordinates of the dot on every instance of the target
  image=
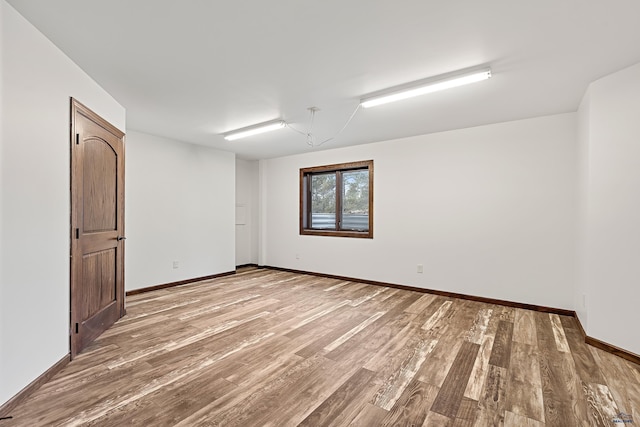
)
(305, 196)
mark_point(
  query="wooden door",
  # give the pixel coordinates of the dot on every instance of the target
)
(97, 226)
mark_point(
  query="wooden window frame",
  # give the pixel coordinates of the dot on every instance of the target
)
(305, 197)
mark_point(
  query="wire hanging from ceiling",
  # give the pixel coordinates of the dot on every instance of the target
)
(309, 134)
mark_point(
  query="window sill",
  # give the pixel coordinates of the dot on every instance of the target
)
(353, 234)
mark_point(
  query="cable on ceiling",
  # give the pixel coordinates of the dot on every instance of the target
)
(309, 133)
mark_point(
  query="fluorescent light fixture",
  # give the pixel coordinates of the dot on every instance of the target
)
(254, 130)
(421, 87)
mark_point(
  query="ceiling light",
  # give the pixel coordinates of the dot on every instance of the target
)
(421, 87)
(254, 130)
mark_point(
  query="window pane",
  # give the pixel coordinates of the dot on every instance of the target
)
(355, 200)
(323, 201)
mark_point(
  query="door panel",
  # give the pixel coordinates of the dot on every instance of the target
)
(97, 226)
(98, 276)
(100, 171)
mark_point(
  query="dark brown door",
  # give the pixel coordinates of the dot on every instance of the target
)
(97, 226)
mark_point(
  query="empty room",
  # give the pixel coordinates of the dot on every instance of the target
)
(319, 213)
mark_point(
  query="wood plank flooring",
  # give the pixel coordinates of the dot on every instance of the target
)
(271, 348)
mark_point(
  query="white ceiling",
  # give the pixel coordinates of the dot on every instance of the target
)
(193, 69)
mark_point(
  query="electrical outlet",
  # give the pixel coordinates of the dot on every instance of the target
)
(297, 256)
(420, 268)
(176, 264)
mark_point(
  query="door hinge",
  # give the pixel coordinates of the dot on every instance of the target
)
(76, 328)
(77, 233)
(77, 138)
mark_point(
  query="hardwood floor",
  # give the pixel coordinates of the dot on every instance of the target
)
(275, 348)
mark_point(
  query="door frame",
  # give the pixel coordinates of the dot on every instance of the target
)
(76, 108)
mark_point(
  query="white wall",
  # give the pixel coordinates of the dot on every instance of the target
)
(179, 206)
(37, 81)
(489, 211)
(247, 212)
(2, 326)
(581, 292)
(612, 240)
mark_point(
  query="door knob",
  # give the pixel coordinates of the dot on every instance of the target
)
(121, 238)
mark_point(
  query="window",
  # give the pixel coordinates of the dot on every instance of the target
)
(337, 200)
